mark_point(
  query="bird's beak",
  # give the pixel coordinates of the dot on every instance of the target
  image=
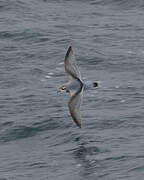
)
(59, 90)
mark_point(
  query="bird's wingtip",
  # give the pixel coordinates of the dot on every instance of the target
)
(78, 124)
(70, 47)
(68, 51)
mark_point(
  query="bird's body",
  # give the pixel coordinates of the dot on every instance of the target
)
(74, 87)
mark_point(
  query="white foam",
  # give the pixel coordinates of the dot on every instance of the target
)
(122, 101)
(48, 77)
(78, 165)
(50, 73)
(59, 69)
(130, 52)
(116, 87)
(61, 63)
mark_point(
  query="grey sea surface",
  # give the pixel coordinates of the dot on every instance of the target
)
(38, 138)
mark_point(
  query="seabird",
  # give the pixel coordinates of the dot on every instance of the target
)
(74, 86)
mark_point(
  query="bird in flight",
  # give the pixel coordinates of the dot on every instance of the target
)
(74, 86)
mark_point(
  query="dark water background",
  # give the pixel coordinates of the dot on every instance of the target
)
(38, 139)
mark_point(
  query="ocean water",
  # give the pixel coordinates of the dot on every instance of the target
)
(38, 139)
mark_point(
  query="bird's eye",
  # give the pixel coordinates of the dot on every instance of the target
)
(63, 88)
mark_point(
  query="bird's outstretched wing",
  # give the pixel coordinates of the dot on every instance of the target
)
(70, 64)
(74, 106)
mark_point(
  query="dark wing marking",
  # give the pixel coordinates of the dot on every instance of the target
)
(70, 64)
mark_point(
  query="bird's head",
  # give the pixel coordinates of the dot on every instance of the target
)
(63, 88)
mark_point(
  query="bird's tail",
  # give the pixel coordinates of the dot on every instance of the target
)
(95, 84)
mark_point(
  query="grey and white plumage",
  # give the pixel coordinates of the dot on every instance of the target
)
(74, 87)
